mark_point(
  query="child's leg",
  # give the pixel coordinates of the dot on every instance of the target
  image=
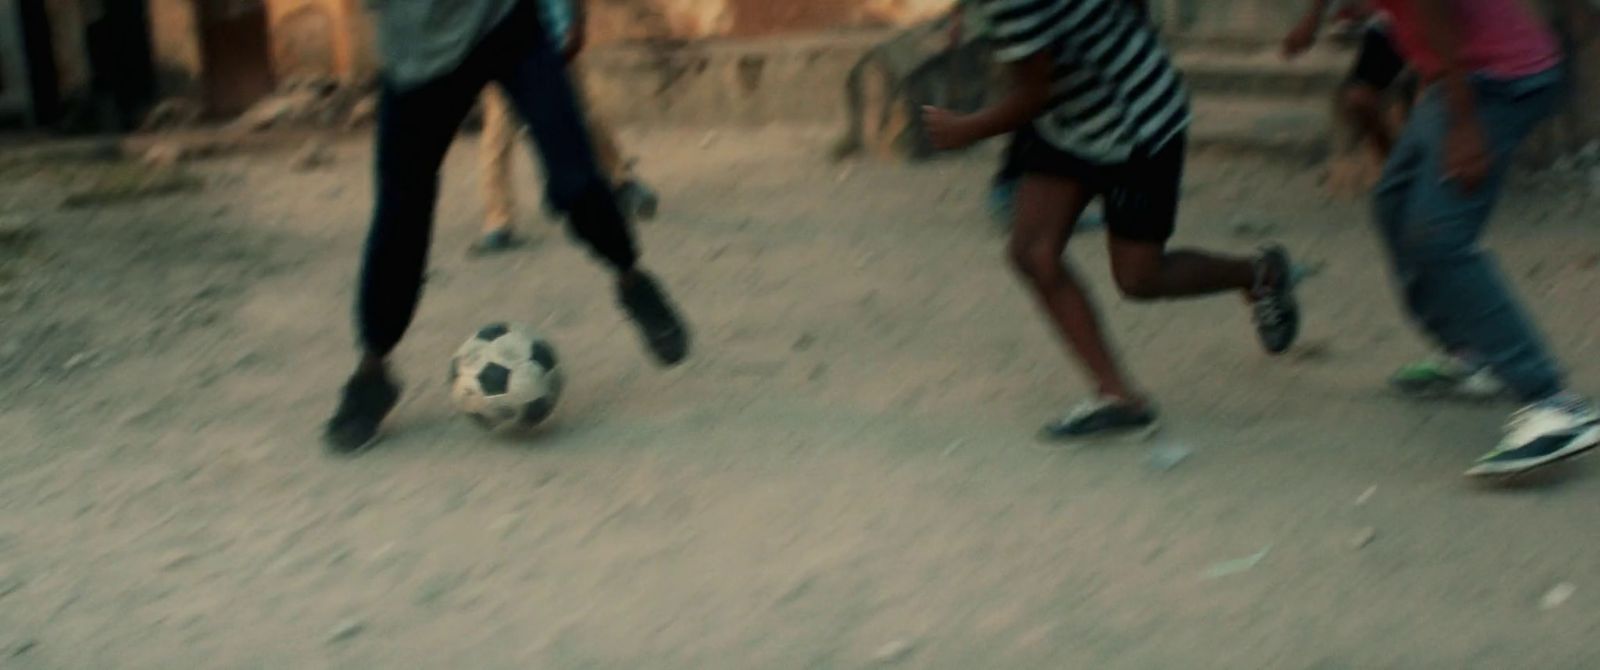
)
(1147, 271)
(535, 79)
(415, 128)
(537, 85)
(1142, 213)
(1047, 209)
(607, 151)
(499, 136)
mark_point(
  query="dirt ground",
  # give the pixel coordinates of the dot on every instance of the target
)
(843, 477)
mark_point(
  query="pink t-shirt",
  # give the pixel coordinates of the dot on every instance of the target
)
(1501, 38)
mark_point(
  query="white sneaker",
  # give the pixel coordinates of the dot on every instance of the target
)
(1554, 430)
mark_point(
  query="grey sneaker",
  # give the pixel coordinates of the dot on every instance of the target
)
(1277, 312)
(1547, 432)
(1102, 419)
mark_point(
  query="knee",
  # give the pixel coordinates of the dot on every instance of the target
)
(1138, 285)
(1034, 260)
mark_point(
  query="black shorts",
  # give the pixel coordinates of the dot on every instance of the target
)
(1140, 196)
(1378, 63)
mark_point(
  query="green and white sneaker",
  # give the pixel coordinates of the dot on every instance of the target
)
(1551, 431)
(1103, 419)
(1448, 378)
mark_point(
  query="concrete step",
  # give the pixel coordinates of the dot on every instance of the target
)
(1264, 73)
(1289, 129)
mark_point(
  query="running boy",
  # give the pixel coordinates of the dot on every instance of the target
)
(1097, 109)
(439, 54)
(563, 27)
(1493, 72)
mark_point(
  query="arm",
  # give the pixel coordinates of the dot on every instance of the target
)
(1466, 150)
(1030, 93)
(1304, 33)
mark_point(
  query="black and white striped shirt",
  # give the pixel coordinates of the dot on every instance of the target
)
(1114, 91)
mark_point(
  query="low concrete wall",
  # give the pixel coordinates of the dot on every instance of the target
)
(739, 82)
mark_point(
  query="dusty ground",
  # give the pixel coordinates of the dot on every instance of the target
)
(843, 477)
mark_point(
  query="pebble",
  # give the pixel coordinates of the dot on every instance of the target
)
(1238, 565)
(894, 652)
(77, 361)
(1558, 596)
(1167, 457)
(347, 629)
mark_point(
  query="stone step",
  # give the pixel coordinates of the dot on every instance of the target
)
(1264, 73)
(1288, 129)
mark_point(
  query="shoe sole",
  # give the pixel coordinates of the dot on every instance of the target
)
(1580, 446)
(1131, 436)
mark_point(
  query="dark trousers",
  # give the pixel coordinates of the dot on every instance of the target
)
(416, 126)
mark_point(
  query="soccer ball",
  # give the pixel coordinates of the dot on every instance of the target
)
(506, 378)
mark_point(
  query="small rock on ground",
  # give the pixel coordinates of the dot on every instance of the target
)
(346, 630)
(894, 652)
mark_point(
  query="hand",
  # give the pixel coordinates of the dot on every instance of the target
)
(1466, 155)
(946, 129)
(573, 45)
(1302, 37)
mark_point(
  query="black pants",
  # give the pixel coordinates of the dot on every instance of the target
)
(416, 125)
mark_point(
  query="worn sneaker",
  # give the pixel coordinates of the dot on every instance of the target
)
(637, 199)
(647, 304)
(1102, 420)
(1447, 377)
(1543, 433)
(1277, 313)
(495, 241)
(368, 398)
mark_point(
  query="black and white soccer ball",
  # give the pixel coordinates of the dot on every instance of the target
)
(506, 378)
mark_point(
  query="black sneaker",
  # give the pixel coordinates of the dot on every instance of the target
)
(1277, 313)
(659, 324)
(368, 398)
(1102, 419)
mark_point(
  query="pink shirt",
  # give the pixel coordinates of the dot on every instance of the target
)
(1501, 38)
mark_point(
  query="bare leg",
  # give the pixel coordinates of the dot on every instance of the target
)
(1146, 271)
(496, 143)
(607, 151)
(1047, 209)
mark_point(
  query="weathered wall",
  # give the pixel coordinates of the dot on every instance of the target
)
(318, 37)
(629, 20)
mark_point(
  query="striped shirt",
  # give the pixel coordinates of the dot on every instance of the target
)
(1114, 92)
